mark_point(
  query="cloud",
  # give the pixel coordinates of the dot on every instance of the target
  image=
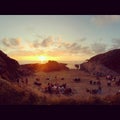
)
(57, 46)
(12, 42)
(105, 19)
(56, 52)
(115, 43)
(74, 47)
(86, 50)
(47, 42)
(6, 42)
(98, 48)
(35, 44)
(56, 43)
(40, 36)
(49, 47)
(21, 52)
(81, 39)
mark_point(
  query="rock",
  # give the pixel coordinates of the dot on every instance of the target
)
(53, 66)
(47, 67)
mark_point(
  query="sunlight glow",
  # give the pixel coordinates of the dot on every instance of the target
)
(42, 58)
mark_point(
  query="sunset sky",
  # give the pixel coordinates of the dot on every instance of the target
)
(58, 37)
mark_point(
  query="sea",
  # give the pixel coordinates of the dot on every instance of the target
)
(70, 64)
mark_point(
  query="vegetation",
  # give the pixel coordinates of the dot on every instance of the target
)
(11, 94)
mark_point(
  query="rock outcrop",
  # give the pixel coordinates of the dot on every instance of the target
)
(47, 67)
(108, 62)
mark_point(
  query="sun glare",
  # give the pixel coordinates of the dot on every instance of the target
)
(42, 58)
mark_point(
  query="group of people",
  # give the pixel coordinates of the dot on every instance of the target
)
(21, 81)
(95, 91)
(57, 89)
(112, 79)
(95, 82)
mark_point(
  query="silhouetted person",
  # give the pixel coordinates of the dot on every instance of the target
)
(91, 82)
(108, 83)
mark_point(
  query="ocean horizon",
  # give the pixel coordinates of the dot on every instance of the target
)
(70, 64)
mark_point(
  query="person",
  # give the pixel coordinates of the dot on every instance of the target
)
(91, 82)
(49, 89)
(99, 89)
(94, 83)
(98, 82)
(97, 77)
(109, 83)
(37, 79)
(62, 89)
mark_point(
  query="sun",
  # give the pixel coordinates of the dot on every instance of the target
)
(42, 58)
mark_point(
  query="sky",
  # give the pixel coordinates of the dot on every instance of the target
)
(38, 38)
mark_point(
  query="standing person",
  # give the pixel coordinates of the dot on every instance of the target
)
(20, 82)
(99, 89)
(50, 88)
(91, 82)
(109, 83)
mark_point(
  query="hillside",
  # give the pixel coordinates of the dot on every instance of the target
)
(12, 94)
(108, 62)
(8, 67)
